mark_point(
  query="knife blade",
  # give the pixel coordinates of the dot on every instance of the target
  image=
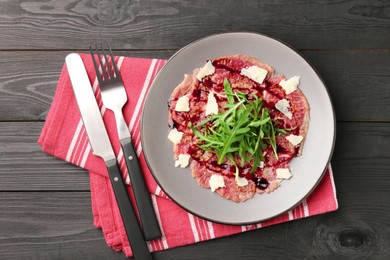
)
(101, 147)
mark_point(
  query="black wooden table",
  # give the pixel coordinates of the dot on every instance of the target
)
(45, 210)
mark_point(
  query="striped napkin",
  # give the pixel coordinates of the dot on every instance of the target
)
(64, 137)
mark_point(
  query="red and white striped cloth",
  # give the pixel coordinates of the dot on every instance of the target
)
(64, 137)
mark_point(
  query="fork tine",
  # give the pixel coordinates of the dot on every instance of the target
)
(104, 73)
(109, 69)
(113, 61)
(95, 65)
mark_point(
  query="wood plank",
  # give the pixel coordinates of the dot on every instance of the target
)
(361, 158)
(23, 165)
(173, 24)
(30, 78)
(357, 82)
(51, 225)
(355, 79)
(47, 225)
(45, 210)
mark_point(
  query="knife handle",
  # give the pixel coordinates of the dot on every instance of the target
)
(145, 208)
(129, 218)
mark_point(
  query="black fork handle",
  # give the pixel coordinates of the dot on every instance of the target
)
(145, 207)
(129, 218)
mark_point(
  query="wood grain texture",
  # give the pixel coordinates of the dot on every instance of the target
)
(357, 81)
(21, 156)
(23, 165)
(45, 210)
(28, 81)
(36, 225)
(58, 225)
(359, 229)
(174, 23)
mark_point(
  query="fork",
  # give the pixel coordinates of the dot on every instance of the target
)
(114, 98)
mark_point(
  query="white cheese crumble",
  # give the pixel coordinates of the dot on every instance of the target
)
(241, 182)
(283, 173)
(216, 181)
(212, 105)
(183, 104)
(207, 69)
(255, 73)
(283, 106)
(294, 139)
(182, 161)
(261, 165)
(175, 136)
(290, 85)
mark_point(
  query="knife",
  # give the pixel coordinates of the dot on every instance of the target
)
(101, 147)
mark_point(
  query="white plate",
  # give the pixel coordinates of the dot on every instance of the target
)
(178, 183)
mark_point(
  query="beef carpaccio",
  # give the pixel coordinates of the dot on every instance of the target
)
(203, 94)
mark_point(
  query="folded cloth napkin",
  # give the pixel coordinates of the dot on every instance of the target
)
(64, 137)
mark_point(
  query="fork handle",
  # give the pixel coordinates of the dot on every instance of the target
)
(129, 217)
(145, 208)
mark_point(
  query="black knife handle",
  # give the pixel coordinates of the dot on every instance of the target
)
(129, 218)
(145, 208)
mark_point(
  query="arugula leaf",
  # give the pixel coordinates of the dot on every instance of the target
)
(228, 91)
(241, 133)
